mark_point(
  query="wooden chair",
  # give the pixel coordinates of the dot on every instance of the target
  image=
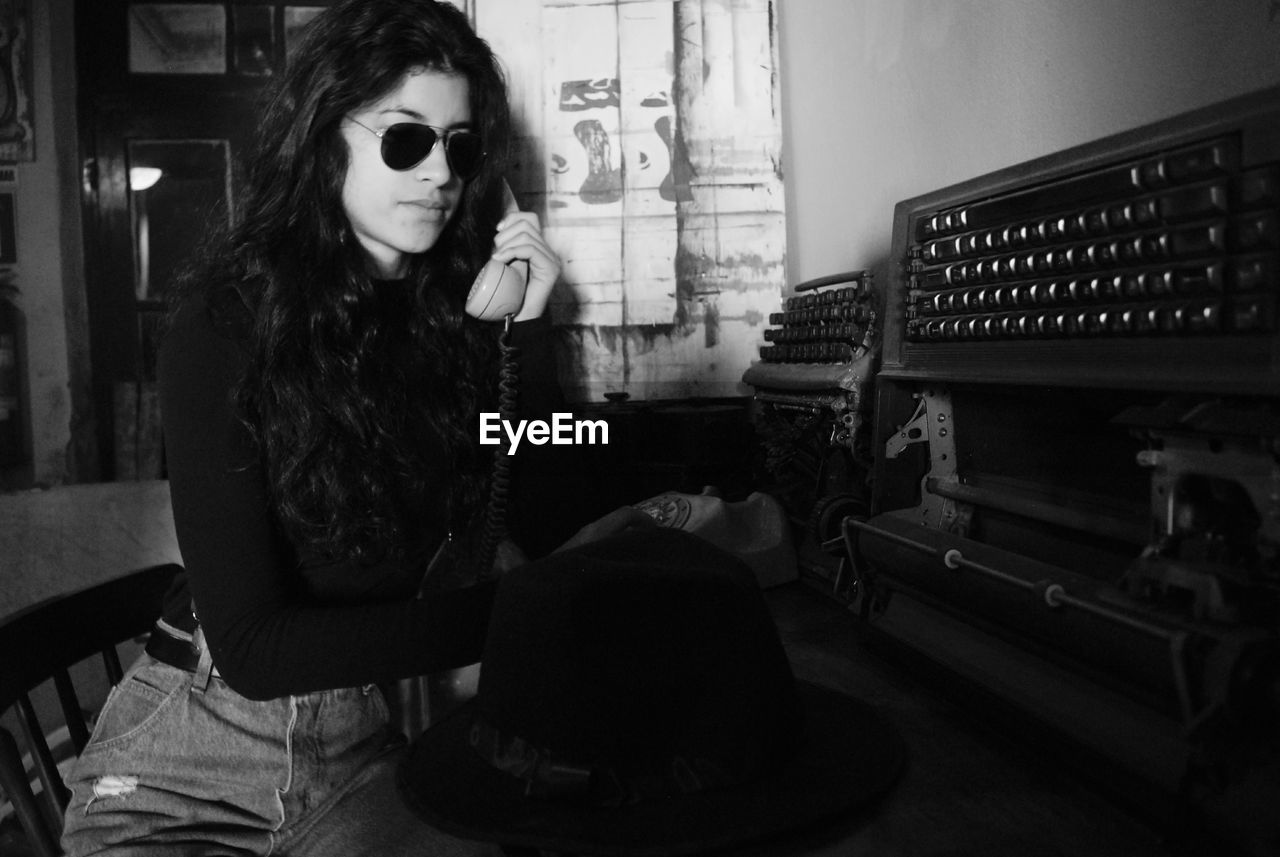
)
(42, 644)
(82, 567)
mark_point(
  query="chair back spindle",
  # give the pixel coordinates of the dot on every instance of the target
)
(41, 644)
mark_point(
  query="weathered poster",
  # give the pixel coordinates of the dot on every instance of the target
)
(650, 144)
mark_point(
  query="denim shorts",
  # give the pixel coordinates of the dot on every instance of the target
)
(172, 770)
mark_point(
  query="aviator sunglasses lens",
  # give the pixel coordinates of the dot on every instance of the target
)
(406, 144)
(465, 152)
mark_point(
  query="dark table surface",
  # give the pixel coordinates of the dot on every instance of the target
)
(965, 790)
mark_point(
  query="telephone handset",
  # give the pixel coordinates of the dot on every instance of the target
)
(498, 291)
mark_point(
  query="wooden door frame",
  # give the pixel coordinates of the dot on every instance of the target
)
(114, 105)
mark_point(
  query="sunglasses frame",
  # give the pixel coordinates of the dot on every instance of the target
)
(444, 135)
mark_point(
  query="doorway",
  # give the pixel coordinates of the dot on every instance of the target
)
(168, 94)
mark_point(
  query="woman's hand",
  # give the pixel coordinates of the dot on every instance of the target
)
(520, 237)
(617, 521)
(507, 556)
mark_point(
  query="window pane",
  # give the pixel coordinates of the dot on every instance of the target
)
(178, 191)
(253, 40)
(169, 38)
(296, 19)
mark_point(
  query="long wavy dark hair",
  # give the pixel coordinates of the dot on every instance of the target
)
(365, 419)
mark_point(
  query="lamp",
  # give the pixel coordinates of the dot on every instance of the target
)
(141, 178)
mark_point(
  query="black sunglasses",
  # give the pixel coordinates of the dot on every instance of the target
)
(407, 144)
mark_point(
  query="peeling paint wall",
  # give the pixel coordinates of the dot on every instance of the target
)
(650, 141)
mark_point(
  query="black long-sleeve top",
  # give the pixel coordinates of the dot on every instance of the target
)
(276, 624)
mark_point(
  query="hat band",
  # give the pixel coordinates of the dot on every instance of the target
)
(548, 775)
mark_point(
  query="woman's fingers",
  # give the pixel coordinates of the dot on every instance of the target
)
(520, 236)
(617, 521)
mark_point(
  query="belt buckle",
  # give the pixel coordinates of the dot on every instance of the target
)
(204, 666)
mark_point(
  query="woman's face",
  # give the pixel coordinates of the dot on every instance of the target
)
(396, 213)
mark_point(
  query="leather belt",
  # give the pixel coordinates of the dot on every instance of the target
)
(175, 648)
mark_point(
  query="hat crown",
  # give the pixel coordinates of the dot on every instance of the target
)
(666, 658)
(633, 696)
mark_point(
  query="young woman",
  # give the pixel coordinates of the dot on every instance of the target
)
(320, 388)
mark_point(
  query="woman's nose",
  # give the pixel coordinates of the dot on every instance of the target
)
(435, 166)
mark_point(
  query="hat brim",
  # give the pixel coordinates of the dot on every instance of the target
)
(849, 756)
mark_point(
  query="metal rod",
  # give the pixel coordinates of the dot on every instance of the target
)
(954, 559)
(1055, 595)
(1109, 526)
(893, 537)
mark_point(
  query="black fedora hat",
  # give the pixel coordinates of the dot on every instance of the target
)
(635, 699)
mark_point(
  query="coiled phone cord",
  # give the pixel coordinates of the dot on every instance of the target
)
(495, 515)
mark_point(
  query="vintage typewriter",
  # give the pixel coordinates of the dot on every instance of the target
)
(1075, 512)
(811, 410)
